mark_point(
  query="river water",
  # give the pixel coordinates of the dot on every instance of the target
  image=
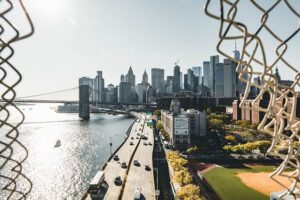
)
(64, 172)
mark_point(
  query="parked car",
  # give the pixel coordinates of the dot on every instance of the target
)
(116, 157)
(149, 143)
(131, 143)
(132, 138)
(147, 168)
(123, 165)
(145, 143)
(118, 180)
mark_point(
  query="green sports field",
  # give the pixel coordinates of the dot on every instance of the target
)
(229, 187)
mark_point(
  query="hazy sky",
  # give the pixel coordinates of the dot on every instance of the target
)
(75, 38)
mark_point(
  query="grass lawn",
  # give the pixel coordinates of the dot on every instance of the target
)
(229, 187)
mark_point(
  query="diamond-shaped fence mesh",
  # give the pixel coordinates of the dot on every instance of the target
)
(13, 182)
(279, 119)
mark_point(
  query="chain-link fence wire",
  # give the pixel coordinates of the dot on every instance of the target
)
(280, 115)
(14, 184)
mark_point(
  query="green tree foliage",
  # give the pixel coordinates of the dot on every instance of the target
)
(157, 113)
(189, 192)
(230, 138)
(215, 124)
(244, 124)
(182, 177)
(263, 146)
(159, 125)
(193, 149)
(165, 134)
(227, 148)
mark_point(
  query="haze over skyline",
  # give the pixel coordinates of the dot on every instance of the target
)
(75, 38)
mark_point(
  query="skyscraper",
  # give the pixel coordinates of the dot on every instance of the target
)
(190, 80)
(145, 78)
(219, 80)
(230, 84)
(157, 78)
(124, 92)
(98, 85)
(212, 71)
(206, 72)
(130, 77)
(122, 78)
(169, 85)
(176, 79)
(198, 73)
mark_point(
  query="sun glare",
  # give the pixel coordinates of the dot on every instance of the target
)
(49, 8)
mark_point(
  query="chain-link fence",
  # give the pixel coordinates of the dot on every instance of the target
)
(13, 182)
(280, 115)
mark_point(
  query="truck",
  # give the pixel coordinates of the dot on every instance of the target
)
(96, 182)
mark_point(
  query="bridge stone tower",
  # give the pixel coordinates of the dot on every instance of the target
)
(84, 106)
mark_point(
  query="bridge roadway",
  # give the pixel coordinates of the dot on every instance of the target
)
(138, 176)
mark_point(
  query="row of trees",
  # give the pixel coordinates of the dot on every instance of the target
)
(182, 177)
(262, 145)
(164, 133)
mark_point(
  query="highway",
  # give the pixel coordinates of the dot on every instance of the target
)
(138, 176)
(113, 168)
(132, 176)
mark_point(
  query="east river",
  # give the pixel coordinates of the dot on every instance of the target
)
(64, 172)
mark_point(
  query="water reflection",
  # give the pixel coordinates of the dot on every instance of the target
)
(64, 172)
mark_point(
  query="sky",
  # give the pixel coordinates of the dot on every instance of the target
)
(75, 38)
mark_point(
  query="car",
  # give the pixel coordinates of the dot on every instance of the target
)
(138, 134)
(137, 193)
(116, 157)
(123, 165)
(145, 143)
(147, 168)
(118, 180)
(137, 137)
(131, 143)
(132, 138)
(136, 163)
(149, 143)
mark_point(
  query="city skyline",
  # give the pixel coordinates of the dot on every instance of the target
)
(144, 34)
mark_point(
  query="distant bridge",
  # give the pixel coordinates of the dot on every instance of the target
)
(77, 102)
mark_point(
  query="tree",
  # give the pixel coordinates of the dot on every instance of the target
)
(244, 124)
(178, 164)
(182, 177)
(159, 125)
(157, 113)
(193, 149)
(227, 148)
(215, 124)
(230, 138)
(189, 192)
(263, 146)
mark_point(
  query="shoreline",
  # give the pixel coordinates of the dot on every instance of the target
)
(85, 194)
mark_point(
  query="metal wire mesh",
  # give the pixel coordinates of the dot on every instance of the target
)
(280, 115)
(14, 183)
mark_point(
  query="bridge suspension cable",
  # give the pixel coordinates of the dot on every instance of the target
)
(48, 93)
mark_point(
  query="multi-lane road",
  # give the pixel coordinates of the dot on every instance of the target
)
(138, 176)
(132, 176)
